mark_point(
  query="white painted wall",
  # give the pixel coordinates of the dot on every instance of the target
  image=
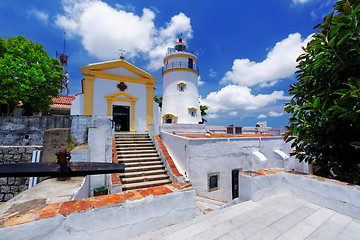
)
(176, 147)
(77, 106)
(104, 87)
(156, 114)
(120, 221)
(331, 194)
(196, 158)
(99, 142)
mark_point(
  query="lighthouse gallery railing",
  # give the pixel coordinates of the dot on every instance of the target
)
(183, 65)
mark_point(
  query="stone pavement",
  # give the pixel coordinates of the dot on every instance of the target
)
(280, 216)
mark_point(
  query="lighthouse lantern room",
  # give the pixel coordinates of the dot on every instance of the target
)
(180, 86)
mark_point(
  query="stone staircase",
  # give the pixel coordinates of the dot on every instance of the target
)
(143, 166)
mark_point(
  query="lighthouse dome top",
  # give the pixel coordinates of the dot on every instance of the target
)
(180, 50)
(180, 46)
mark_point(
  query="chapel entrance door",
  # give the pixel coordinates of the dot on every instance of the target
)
(121, 118)
(235, 183)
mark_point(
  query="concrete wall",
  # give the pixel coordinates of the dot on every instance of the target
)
(81, 124)
(183, 128)
(77, 106)
(332, 194)
(17, 149)
(120, 221)
(11, 186)
(176, 147)
(197, 158)
(100, 150)
(22, 131)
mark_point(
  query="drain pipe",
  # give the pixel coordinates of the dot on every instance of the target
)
(35, 159)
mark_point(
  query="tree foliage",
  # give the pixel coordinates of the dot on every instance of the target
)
(203, 109)
(325, 105)
(27, 75)
(158, 100)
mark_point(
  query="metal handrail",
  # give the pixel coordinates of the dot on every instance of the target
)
(183, 65)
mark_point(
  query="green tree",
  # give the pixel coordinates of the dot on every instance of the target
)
(325, 105)
(203, 109)
(158, 100)
(27, 75)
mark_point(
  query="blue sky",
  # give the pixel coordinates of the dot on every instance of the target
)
(246, 49)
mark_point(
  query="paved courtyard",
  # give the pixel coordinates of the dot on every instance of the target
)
(281, 216)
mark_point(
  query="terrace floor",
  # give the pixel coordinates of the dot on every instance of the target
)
(224, 135)
(280, 216)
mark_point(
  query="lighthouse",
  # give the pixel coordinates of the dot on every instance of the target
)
(180, 86)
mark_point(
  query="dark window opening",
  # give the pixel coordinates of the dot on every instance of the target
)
(191, 63)
(235, 183)
(213, 182)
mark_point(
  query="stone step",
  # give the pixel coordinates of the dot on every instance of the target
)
(130, 160)
(148, 178)
(117, 135)
(143, 159)
(139, 185)
(144, 168)
(138, 155)
(139, 164)
(123, 145)
(133, 142)
(142, 173)
(138, 151)
(132, 139)
(119, 149)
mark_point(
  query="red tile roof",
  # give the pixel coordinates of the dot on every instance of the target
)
(62, 101)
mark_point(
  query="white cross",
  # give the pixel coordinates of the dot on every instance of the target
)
(122, 51)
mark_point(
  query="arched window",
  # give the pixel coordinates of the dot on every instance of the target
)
(192, 111)
(169, 118)
(181, 86)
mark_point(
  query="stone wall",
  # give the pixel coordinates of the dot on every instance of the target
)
(11, 186)
(28, 131)
(20, 136)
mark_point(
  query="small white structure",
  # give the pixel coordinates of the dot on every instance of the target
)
(180, 86)
(120, 90)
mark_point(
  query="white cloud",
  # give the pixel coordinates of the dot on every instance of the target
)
(127, 7)
(262, 116)
(212, 115)
(200, 83)
(280, 63)
(323, 9)
(233, 97)
(233, 113)
(104, 29)
(40, 15)
(275, 114)
(300, 1)
(212, 73)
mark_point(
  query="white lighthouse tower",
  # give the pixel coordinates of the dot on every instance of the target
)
(180, 86)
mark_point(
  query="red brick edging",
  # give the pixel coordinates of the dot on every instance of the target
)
(115, 177)
(168, 157)
(66, 208)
